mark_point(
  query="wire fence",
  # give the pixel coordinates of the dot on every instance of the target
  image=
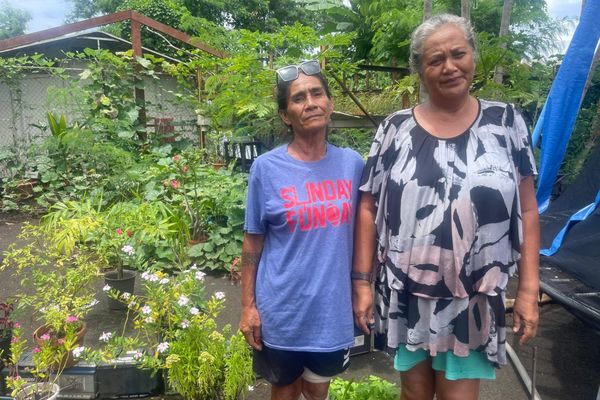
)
(24, 104)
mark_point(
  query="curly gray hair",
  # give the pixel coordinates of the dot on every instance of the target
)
(428, 27)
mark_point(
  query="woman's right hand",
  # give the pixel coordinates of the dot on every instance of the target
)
(362, 305)
(250, 326)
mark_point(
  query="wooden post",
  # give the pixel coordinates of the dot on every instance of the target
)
(504, 24)
(465, 9)
(427, 9)
(140, 96)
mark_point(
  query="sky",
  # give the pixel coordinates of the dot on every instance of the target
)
(51, 13)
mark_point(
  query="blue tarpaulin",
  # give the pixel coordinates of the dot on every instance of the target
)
(575, 218)
(558, 116)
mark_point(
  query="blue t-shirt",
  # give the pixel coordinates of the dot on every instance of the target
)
(306, 211)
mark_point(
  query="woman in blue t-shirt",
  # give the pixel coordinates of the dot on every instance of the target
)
(297, 252)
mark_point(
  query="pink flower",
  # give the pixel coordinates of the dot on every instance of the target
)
(60, 341)
(45, 336)
(174, 184)
(71, 318)
(36, 350)
(185, 169)
(176, 157)
(17, 325)
(119, 231)
(14, 339)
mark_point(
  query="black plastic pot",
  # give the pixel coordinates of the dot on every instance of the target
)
(126, 284)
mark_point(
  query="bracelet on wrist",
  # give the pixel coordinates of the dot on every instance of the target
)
(361, 276)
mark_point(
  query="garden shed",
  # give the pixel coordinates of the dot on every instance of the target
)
(24, 101)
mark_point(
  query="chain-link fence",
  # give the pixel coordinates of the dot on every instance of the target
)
(24, 104)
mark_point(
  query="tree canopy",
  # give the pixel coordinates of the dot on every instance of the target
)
(13, 21)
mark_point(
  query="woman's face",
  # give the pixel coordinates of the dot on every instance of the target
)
(448, 64)
(309, 108)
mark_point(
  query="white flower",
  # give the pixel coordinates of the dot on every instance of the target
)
(93, 303)
(185, 323)
(127, 249)
(137, 355)
(149, 320)
(77, 351)
(250, 388)
(182, 300)
(162, 347)
(194, 311)
(193, 267)
(126, 295)
(106, 288)
(105, 337)
(220, 295)
(164, 281)
(147, 276)
(200, 275)
(146, 310)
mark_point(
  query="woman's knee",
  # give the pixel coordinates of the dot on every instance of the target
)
(287, 392)
(315, 391)
(460, 389)
(418, 383)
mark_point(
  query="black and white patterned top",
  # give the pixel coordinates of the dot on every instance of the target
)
(448, 229)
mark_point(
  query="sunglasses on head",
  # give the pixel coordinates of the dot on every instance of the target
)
(291, 72)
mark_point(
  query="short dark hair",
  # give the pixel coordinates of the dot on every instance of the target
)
(283, 88)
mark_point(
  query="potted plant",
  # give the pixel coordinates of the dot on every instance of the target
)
(185, 185)
(122, 256)
(59, 290)
(177, 334)
(44, 374)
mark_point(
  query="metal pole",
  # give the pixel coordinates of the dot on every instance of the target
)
(533, 371)
(521, 371)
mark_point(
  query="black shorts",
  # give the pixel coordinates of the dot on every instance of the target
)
(282, 367)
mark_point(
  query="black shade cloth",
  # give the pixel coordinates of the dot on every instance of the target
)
(579, 255)
(572, 275)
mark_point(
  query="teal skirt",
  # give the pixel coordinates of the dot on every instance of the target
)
(475, 366)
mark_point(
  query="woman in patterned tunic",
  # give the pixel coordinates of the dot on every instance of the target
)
(448, 213)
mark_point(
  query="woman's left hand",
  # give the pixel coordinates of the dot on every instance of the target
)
(525, 310)
(362, 305)
(525, 315)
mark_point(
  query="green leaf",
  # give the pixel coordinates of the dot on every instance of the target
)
(104, 100)
(85, 74)
(144, 62)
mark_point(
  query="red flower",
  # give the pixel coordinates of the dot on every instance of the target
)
(119, 231)
(129, 233)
